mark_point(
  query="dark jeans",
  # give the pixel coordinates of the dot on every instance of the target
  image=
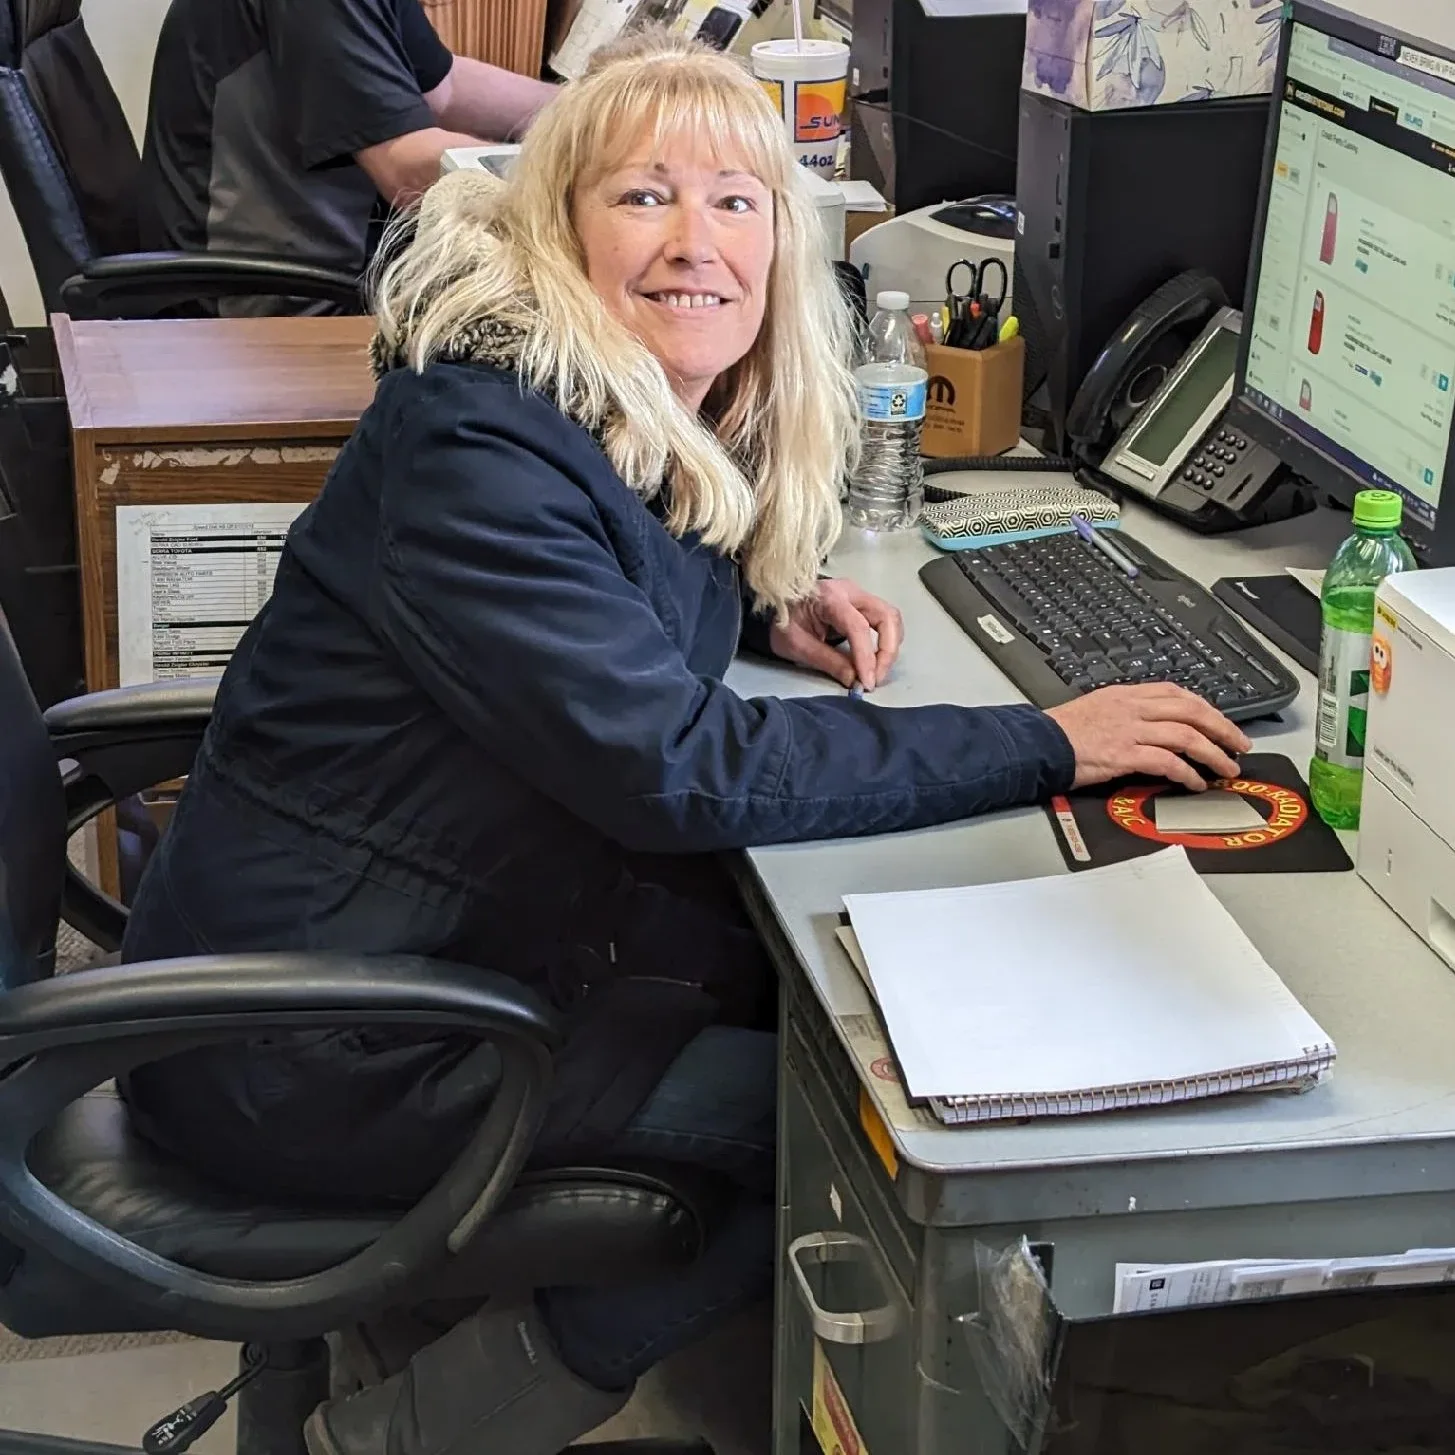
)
(714, 1109)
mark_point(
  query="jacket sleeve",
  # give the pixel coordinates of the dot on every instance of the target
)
(501, 591)
(757, 625)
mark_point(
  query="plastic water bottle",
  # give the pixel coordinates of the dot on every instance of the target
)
(1374, 551)
(888, 489)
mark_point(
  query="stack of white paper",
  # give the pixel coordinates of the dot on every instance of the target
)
(1128, 986)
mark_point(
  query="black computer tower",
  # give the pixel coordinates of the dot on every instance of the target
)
(934, 102)
(1112, 205)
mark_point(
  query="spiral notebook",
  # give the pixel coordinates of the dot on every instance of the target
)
(1129, 986)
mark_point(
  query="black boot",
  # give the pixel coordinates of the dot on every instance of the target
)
(493, 1383)
(367, 1354)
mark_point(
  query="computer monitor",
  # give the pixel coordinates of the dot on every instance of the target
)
(1347, 365)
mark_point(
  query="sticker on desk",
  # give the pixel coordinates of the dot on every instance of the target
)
(877, 1132)
(832, 1420)
(189, 580)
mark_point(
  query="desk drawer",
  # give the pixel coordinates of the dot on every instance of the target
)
(839, 1291)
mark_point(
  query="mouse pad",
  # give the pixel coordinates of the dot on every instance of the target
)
(1122, 821)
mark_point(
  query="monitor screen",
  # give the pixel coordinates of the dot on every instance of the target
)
(1350, 339)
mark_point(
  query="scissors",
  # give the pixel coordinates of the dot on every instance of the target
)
(974, 314)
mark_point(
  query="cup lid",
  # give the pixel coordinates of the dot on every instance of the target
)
(787, 49)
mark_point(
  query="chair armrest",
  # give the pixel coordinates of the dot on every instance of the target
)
(104, 284)
(126, 711)
(60, 1038)
(121, 742)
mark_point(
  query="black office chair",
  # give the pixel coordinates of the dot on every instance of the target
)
(100, 1232)
(72, 169)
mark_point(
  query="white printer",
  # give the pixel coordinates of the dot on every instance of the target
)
(499, 156)
(1407, 822)
(913, 253)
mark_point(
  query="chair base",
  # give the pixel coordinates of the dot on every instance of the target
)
(273, 1408)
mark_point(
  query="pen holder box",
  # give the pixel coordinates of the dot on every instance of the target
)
(974, 404)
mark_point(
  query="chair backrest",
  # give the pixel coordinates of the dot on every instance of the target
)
(32, 829)
(66, 151)
(40, 574)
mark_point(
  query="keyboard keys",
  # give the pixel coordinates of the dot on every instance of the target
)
(1094, 627)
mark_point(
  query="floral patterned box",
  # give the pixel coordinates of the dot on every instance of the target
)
(1104, 55)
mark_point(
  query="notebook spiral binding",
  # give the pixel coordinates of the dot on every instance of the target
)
(1311, 1068)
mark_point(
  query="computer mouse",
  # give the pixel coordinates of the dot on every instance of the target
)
(1203, 771)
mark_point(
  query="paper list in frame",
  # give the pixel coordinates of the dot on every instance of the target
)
(189, 580)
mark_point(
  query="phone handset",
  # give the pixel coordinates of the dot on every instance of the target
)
(1116, 384)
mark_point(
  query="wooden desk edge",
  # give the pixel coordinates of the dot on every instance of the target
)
(78, 402)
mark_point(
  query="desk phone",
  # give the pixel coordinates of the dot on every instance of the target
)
(1185, 450)
(1156, 416)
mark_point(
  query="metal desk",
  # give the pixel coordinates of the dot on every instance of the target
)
(1362, 1164)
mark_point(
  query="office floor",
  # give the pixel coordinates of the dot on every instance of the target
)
(719, 1390)
(114, 1388)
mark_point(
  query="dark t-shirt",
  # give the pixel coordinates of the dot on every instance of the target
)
(257, 108)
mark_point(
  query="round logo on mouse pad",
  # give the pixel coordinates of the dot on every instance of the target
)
(1261, 822)
(1283, 811)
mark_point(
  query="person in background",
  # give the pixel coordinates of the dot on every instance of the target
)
(486, 700)
(291, 128)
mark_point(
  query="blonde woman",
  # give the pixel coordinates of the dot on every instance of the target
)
(483, 716)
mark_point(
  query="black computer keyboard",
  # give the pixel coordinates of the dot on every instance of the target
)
(1059, 619)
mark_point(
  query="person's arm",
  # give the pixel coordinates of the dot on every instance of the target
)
(404, 167)
(486, 100)
(500, 589)
(352, 78)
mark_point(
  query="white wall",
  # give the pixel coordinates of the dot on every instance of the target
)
(1432, 19)
(125, 35)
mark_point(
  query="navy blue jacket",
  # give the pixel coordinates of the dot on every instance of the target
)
(487, 677)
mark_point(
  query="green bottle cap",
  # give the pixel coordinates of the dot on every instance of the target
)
(1378, 510)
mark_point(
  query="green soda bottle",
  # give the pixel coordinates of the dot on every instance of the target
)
(1374, 551)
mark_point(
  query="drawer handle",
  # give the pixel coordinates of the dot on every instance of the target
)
(857, 1326)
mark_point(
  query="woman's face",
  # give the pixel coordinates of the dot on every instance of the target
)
(679, 245)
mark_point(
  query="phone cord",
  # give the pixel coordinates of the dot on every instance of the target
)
(1027, 464)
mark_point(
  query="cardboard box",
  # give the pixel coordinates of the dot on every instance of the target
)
(974, 400)
(1106, 55)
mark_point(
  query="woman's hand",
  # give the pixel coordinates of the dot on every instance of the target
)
(872, 630)
(1152, 731)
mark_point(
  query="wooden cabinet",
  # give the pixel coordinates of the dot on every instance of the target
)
(196, 412)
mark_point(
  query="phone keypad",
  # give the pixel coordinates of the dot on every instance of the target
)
(1208, 464)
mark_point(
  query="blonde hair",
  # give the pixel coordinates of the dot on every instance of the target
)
(762, 480)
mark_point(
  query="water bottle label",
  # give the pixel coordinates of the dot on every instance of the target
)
(893, 403)
(1344, 668)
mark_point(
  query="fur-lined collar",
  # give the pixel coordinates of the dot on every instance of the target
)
(498, 345)
(486, 341)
